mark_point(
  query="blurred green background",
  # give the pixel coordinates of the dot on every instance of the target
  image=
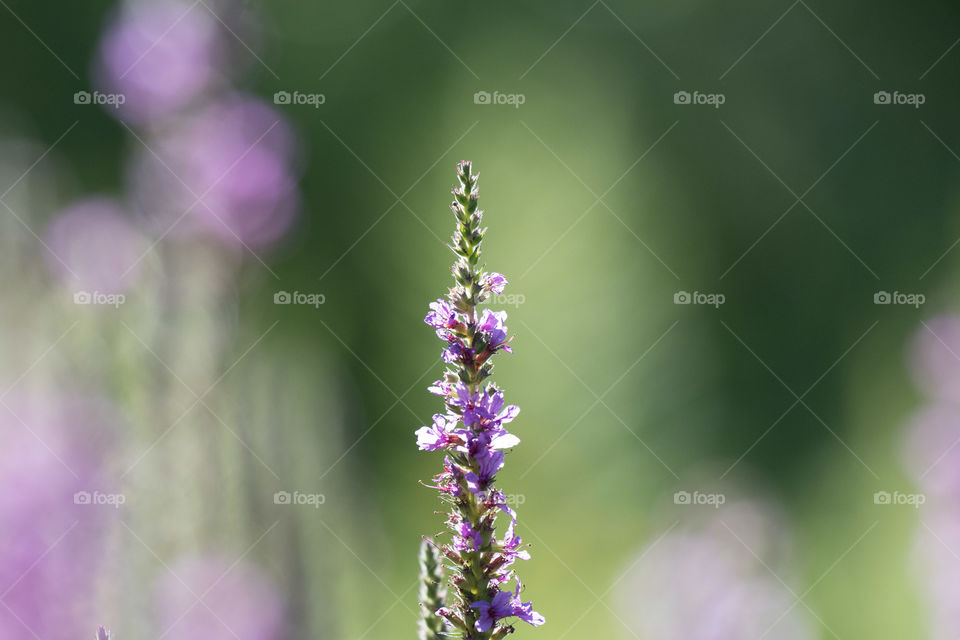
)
(797, 200)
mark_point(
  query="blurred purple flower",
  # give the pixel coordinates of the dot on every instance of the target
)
(932, 450)
(226, 170)
(935, 358)
(94, 246)
(160, 55)
(935, 563)
(238, 601)
(50, 449)
(701, 581)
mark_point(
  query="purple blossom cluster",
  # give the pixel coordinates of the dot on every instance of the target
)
(210, 162)
(473, 436)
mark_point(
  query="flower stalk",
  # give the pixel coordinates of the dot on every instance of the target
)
(471, 433)
(432, 592)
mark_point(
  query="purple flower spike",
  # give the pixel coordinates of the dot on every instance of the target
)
(102, 633)
(474, 439)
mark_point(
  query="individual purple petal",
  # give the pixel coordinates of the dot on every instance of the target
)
(512, 542)
(525, 612)
(493, 320)
(495, 402)
(485, 619)
(504, 441)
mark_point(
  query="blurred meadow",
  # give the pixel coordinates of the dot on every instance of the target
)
(731, 237)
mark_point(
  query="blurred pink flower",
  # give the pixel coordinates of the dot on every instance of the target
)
(94, 246)
(700, 581)
(238, 601)
(50, 449)
(935, 559)
(932, 450)
(935, 358)
(225, 171)
(160, 55)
